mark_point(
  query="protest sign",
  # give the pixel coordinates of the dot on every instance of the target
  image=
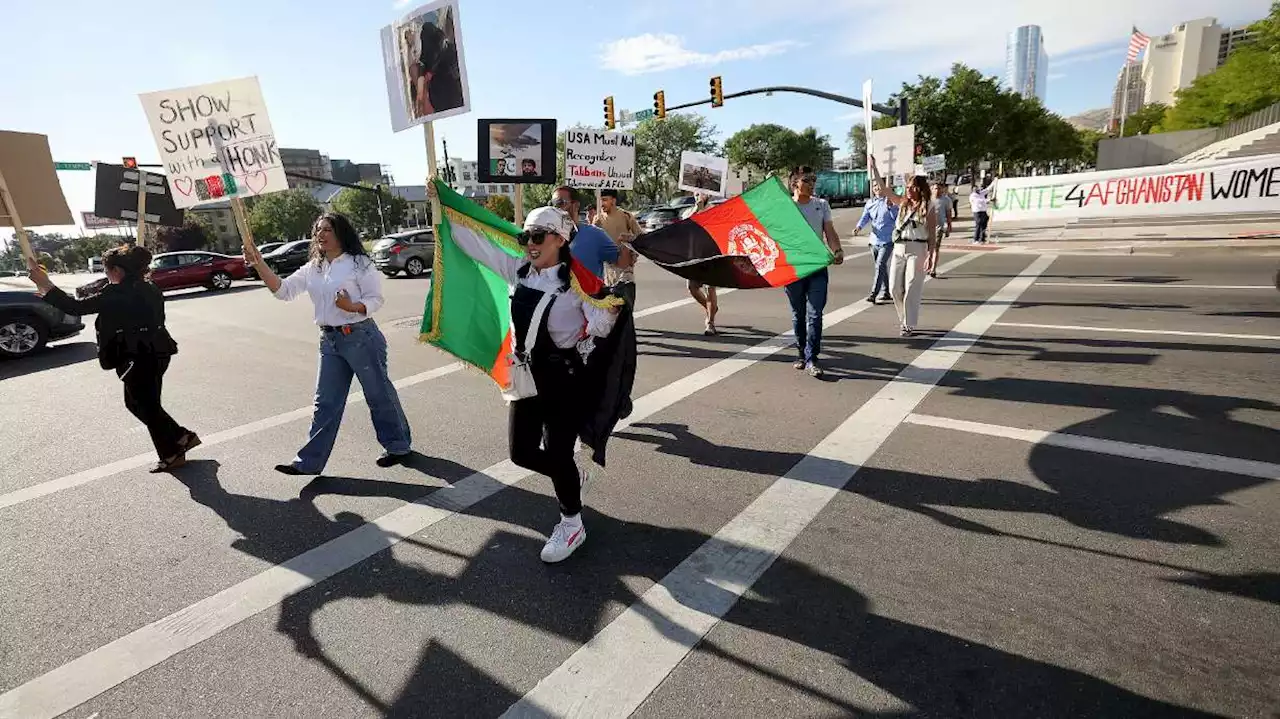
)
(702, 173)
(935, 163)
(517, 151)
(1233, 185)
(115, 196)
(866, 117)
(90, 221)
(599, 160)
(30, 194)
(423, 62)
(893, 150)
(215, 141)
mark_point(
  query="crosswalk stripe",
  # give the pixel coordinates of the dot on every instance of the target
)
(87, 676)
(613, 673)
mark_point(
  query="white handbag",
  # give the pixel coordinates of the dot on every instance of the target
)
(522, 385)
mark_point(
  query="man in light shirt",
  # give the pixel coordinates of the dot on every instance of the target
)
(980, 203)
(622, 227)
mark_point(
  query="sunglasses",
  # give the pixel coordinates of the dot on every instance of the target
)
(559, 202)
(535, 237)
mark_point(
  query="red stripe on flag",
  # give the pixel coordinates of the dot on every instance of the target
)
(738, 232)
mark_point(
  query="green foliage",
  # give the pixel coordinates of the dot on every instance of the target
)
(1146, 120)
(191, 236)
(58, 251)
(658, 147)
(776, 149)
(283, 216)
(203, 222)
(361, 207)
(502, 206)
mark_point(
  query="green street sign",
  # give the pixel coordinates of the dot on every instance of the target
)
(86, 166)
(644, 114)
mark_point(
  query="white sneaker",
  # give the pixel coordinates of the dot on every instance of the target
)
(565, 538)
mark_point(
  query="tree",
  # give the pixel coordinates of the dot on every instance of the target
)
(283, 216)
(502, 206)
(1089, 140)
(191, 236)
(808, 148)
(202, 221)
(765, 147)
(658, 147)
(361, 207)
(858, 137)
(1143, 121)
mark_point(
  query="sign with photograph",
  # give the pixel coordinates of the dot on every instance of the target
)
(215, 142)
(706, 174)
(91, 221)
(935, 163)
(517, 151)
(599, 160)
(893, 148)
(423, 61)
(27, 168)
(115, 196)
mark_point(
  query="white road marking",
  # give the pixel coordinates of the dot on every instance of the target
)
(36, 491)
(1217, 463)
(87, 676)
(720, 292)
(1179, 333)
(1155, 285)
(613, 673)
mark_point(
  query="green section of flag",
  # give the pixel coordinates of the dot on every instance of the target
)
(467, 311)
(774, 209)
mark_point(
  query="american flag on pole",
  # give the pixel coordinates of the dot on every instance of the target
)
(1137, 41)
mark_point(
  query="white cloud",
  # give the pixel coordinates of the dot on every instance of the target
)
(654, 53)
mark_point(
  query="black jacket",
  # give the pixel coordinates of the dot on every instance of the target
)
(130, 321)
(610, 375)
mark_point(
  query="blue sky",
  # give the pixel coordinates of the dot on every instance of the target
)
(70, 72)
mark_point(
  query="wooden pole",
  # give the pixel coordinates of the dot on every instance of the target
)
(142, 207)
(242, 223)
(10, 208)
(429, 134)
(519, 216)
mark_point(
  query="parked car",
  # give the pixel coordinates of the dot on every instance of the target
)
(683, 201)
(287, 258)
(689, 211)
(263, 249)
(182, 270)
(27, 323)
(661, 217)
(411, 252)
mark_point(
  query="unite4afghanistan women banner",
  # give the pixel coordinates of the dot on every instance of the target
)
(1250, 184)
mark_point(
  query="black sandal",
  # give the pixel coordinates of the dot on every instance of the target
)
(170, 464)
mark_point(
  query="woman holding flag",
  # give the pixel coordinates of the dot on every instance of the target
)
(550, 306)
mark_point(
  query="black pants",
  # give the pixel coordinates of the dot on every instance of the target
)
(980, 226)
(143, 378)
(542, 429)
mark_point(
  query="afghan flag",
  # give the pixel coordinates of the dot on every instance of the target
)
(468, 310)
(758, 239)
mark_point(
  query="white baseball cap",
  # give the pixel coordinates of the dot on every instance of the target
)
(549, 219)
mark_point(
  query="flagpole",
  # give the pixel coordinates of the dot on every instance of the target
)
(1124, 98)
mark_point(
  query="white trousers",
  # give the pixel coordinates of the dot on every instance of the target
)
(906, 280)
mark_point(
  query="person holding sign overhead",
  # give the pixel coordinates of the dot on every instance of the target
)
(133, 341)
(345, 287)
(917, 221)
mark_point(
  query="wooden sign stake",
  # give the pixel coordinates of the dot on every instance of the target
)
(430, 137)
(142, 207)
(519, 215)
(242, 223)
(10, 208)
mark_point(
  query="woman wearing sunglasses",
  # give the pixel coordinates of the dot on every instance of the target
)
(542, 429)
(917, 222)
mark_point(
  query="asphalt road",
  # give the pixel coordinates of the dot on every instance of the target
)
(1059, 501)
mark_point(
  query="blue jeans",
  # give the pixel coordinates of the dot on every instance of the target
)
(880, 256)
(808, 298)
(361, 354)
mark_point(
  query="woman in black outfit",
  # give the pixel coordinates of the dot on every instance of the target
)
(133, 341)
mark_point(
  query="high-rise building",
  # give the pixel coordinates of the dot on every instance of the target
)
(1233, 39)
(305, 162)
(466, 181)
(1174, 61)
(1120, 105)
(344, 171)
(1026, 69)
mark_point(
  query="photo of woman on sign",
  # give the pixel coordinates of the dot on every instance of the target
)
(426, 73)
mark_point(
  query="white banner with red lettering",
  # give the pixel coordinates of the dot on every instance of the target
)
(1249, 184)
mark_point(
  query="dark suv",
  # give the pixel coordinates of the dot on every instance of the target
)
(28, 322)
(412, 251)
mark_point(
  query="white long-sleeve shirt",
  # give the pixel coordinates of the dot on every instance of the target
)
(323, 280)
(569, 319)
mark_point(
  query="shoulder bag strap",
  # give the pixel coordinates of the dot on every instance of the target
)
(531, 334)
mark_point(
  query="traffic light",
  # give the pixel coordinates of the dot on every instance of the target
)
(717, 92)
(609, 124)
(130, 163)
(660, 104)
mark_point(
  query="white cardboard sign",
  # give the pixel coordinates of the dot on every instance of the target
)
(600, 160)
(215, 142)
(894, 149)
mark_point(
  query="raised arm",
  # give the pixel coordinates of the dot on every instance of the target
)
(482, 250)
(890, 196)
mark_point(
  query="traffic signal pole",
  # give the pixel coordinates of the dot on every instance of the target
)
(882, 109)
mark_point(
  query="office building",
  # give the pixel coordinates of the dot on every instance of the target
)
(1232, 40)
(226, 235)
(304, 162)
(467, 182)
(371, 172)
(1120, 105)
(1175, 60)
(1026, 63)
(344, 171)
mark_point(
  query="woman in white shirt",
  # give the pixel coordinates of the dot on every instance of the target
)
(345, 288)
(917, 222)
(542, 429)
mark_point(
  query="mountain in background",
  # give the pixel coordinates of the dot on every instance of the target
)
(1092, 119)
